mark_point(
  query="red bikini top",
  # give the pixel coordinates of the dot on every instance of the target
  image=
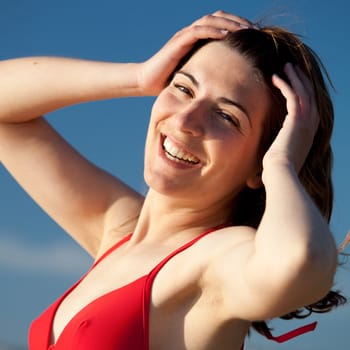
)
(118, 320)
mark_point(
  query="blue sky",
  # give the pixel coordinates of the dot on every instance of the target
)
(37, 260)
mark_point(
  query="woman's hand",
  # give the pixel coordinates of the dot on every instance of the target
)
(295, 138)
(155, 72)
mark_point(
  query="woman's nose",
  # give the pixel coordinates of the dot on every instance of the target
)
(191, 120)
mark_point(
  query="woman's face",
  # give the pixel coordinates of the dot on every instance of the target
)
(205, 128)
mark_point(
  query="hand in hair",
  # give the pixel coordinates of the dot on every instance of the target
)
(295, 138)
(154, 73)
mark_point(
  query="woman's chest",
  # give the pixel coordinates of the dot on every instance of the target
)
(122, 293)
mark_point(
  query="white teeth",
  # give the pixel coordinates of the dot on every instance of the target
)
(177, 153)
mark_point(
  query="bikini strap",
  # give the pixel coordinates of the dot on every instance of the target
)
(164, 261)
(291, 334)
(111, 249)
(151, 276)
(159, 266)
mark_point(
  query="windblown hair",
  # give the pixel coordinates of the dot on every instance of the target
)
(268, 50)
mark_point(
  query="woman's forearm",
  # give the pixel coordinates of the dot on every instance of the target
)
(34, 86)
(293, 237)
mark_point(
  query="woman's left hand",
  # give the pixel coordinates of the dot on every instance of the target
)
(296, 136)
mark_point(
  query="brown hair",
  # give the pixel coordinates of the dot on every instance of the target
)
(268, 50)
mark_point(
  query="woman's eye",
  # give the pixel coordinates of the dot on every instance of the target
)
(183, 89)
(228, 118)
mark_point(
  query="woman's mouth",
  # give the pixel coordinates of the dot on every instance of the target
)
(175, 153)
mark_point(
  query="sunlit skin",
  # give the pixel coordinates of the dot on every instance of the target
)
(213, 111)
(201, 150)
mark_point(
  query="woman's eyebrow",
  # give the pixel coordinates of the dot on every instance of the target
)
(220, 99)
(235, 104)
(189, 76)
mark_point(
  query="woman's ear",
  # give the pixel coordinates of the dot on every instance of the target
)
(254, 182)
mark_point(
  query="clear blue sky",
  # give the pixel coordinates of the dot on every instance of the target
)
(37, 260)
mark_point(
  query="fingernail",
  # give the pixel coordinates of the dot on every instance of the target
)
(224, 31)
(243, 26)
(288, 65)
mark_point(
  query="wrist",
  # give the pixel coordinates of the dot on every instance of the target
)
(124, 80)
(276, 166)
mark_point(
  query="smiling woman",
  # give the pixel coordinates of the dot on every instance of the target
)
(200, 114)
(237, 161)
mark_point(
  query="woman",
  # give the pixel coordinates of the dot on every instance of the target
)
(193, 273)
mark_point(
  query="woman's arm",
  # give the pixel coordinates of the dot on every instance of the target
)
(294, 241)
(74, 192)
(34, 86)
(290, 260)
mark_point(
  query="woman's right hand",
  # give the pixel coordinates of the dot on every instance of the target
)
(154, 72)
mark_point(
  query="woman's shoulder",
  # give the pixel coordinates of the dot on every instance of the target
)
(228, 237)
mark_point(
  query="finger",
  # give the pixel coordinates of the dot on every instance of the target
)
(182, 42)
(188, 36)
(243, 22)
(302, 88)
(295, 80)
(309, 87)
(211, 26)
(305, 80)
(300, 82)
(224, 21)
(292, 100)
(301, 109)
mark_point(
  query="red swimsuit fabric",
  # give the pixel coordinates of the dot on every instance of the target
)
(118, 320)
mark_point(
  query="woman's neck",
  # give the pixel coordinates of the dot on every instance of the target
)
(164, 217)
